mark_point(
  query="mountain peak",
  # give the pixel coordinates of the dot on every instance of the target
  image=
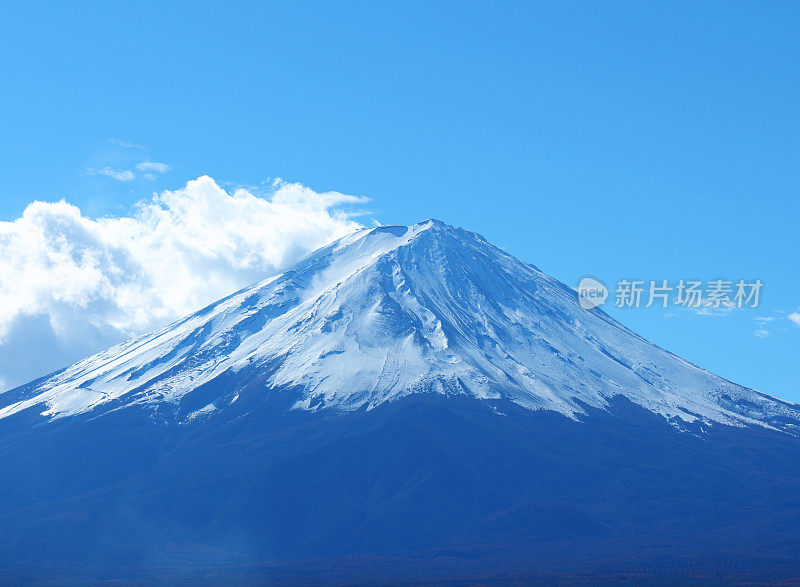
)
(392, 311)
(400, 230)
(434, 222)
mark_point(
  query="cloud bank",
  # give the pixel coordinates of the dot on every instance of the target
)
(72, 285)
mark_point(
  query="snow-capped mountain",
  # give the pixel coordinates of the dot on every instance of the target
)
(392, 311)
(406, 404)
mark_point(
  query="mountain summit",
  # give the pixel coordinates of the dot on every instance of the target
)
(409, 403)
(393, 311)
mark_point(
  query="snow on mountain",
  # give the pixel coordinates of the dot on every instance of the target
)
(392, 311)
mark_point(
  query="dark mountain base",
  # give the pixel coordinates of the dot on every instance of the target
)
(428, 488)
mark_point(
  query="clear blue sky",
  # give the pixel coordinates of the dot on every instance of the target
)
(644, 140)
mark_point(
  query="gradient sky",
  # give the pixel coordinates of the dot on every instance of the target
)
(635, 140)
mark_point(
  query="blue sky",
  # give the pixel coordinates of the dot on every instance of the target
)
(621, 140)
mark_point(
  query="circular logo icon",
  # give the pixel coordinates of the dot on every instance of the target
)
(591, 293)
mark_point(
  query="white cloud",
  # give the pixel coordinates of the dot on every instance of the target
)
(152, 167)
(118, 174)
(145, 169)
(708, 310)
(775, 323)
(126, 144)
(71, 285)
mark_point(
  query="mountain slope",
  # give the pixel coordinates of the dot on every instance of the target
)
(425, 488)
(393, 311)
